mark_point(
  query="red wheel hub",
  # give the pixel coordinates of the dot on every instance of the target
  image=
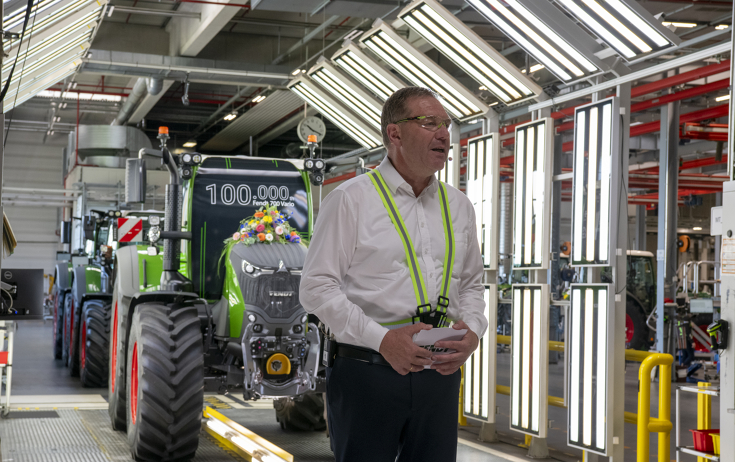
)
(113, 365)
(134, 385)
(629, 328)
(83, 334)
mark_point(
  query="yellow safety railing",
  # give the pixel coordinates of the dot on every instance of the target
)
(704, 412)
(664, 362)
(646, 424)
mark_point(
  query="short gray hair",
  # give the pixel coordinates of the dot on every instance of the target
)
(395, 108)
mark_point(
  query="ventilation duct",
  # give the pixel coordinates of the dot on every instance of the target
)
(106, 145)
(154, 85)
(138, 92)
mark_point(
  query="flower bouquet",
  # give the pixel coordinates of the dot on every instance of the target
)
(266, 226)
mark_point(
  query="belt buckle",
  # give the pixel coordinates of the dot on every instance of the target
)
(443, 302)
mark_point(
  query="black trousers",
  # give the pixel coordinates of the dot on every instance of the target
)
(377, 415)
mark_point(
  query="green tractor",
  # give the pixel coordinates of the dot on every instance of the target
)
(86, 307)
(203, 315)
(640, 299)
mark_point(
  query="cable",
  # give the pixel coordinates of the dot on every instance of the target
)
(10, 297)
(12, 69)
(20, 77)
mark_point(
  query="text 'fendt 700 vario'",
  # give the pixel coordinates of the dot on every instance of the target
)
(205, 315)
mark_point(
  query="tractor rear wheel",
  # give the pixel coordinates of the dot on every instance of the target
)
(58, 323)
(636, 330)
(94, 343)
(165, 382)
(301, 413)
(116, 368)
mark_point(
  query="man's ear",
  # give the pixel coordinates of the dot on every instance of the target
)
(394, 134)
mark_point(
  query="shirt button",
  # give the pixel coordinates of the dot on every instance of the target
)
(423, 225)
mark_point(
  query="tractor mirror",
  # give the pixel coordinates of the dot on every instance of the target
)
(88, 223)
(135, 181)
(65, 232)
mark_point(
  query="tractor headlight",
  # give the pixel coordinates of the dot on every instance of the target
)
(249, 269)
(304, 318)
(319, 164)
(154, 234)
(251, 318)
(196, 158)
(309, 164)
(186, 158)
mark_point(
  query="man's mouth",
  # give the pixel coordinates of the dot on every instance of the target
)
(441, 150)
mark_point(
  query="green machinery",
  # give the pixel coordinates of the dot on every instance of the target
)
(83, 299)
(199, 316)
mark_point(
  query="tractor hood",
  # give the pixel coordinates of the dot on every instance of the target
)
(268, 256)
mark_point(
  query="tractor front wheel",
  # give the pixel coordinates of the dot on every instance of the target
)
(165, 383)
(94, 343)
(636, 330)
(301, 413)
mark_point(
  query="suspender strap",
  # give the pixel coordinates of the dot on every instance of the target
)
(424, 311)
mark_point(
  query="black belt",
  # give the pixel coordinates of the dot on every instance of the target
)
(361, 354)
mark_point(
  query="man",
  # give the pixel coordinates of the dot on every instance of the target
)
(372, 288)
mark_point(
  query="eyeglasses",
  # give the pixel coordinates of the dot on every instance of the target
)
(431, 123)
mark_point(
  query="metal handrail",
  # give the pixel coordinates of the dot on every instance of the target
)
(696, 272)
(662, 425)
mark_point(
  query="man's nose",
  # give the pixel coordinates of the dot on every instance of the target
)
(442, 133)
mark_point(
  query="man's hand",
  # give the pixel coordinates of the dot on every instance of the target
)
(451, 362)
(399, 350)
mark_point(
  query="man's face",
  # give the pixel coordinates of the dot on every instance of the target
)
(424, 151)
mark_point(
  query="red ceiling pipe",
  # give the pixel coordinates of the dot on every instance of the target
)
(680, 95)
(679, 79)
(703, 136)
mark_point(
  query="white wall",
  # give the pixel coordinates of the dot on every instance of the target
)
(31, 163)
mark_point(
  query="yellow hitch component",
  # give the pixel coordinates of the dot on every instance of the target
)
(278, 364)
(240, 440)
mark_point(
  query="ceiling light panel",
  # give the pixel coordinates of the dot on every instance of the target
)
(59, 35)
(421, 71)
(364, 69)
(596, 159)
(479, 376)
(470, 52)
(544, 33)
(529, 354)
(351, 95)
(337, 113)
(625, 26)
(532, 182)
(589, 367)
(483, 190)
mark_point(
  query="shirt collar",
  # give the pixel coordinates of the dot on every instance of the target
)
(394, 180)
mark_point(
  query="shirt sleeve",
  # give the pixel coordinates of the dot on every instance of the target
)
(471, 304)
(330, 253)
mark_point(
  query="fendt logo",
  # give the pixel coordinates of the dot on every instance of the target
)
(273, 293)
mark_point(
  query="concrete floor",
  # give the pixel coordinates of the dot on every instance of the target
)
(41, 382)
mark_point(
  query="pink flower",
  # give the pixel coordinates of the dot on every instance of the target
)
(260, 228)
(279, 230)
(236, 236)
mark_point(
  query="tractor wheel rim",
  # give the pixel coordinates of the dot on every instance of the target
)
(113, 366)
(134, 385)
(629, 328)
(83, 351)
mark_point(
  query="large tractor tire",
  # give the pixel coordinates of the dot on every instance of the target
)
(67, 334)
(637, 335)
(73, 356)
(58, 339)
(94, 344)
(165, 382)
(117, 406)
(302, 413)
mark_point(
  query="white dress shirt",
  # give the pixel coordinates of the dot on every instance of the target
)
(356, 276)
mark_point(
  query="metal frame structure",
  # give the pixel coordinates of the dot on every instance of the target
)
(483, 189)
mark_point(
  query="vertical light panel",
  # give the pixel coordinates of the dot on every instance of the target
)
(479, 379)
(529, 359)
(450, 173)
(531, 210)
(596, 160)
(483, 167)
(624, 25)
(590, 381)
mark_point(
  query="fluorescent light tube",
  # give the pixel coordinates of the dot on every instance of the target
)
(469, 372)
(519, 200)
(683, 25)
(367, 71)
(526, 384)
(336, 112)
(575, 352)
(626, 27)
(578, 187)
(529, 197)
(467, 50)
(487, 350)
(515, 389)
(591, 195)
(722, 98)
(536, 361)
(334, 82)
(601, 379)
(605, 169)
(589, 319)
